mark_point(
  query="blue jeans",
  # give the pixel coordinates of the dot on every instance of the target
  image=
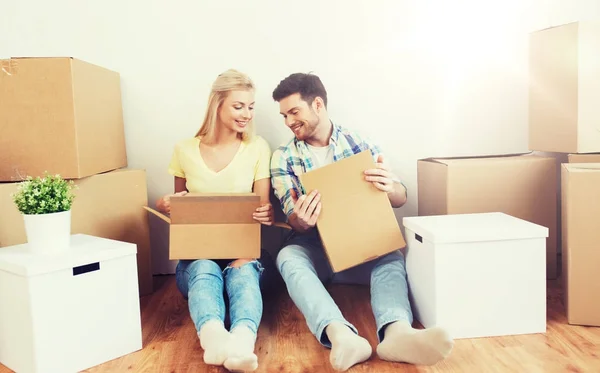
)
(305, 268)
(204, 284)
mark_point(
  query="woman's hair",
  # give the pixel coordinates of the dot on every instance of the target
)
(230, 80)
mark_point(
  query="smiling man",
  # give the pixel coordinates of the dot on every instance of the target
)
(302, 262)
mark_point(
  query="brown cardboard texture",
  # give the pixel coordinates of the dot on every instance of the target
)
(521, 185)
(581, 242)
(357, 222)
(584, 158)
(564, 70)
(60, 115)
(213, 226)
(106, 205)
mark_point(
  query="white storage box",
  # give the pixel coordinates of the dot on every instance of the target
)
(477, 275)
(68, 312)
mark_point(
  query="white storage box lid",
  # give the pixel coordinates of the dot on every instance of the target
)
(476, 227)
(84, 250)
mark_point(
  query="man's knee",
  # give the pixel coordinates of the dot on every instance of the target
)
(293, 258)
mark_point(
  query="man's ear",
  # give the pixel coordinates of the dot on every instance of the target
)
(319, 104)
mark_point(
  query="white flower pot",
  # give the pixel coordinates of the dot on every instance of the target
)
(48, 234)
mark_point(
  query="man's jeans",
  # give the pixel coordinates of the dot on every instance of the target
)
(304, 268)
(204, 282)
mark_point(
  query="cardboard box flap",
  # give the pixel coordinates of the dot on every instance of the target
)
(453, 160)
(160, 215)
(475, 227)
(574, 23)
(214, 208)
(581, 167)
(39, 57)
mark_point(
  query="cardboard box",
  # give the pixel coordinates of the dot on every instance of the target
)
(584, 158)
(477, 275)
(523, 186)
(107, 205)
(60, 115)
(357, 222)
(564, 68)
(213, 226)
(581, 242)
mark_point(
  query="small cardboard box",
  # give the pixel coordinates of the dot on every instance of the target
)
(581, 242)
(213, 226)
(522, 185)
(60, 115)
(584, 158)
(357, 222)
(564, 69)
(477, 275)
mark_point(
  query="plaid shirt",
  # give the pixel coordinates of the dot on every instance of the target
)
(294, 158)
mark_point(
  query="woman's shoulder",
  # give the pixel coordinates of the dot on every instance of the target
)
(259, 142)
(187, 143)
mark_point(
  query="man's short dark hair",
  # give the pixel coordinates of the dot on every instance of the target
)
(308, 86)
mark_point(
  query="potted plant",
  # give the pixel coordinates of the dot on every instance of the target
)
(45, 203)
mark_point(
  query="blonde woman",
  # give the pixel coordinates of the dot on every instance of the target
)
(225, 157)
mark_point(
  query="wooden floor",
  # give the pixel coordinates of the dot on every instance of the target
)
(285, 345)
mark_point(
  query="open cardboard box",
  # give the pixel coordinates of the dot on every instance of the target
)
(357, 222)
(213, 226)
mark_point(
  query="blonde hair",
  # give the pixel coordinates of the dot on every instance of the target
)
(230, 80)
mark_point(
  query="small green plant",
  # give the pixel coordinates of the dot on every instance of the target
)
(44, 195)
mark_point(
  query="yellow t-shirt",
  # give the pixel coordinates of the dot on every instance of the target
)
(250, 163)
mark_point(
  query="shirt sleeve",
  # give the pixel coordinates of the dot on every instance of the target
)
(262, 169)
(365, 143)
(175, 166)
(282, 180)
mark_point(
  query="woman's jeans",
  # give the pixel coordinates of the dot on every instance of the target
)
(204, 284)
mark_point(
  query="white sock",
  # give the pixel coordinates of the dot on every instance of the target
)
(404, 344)
(215, 341)
(347, 348)
(241, 357)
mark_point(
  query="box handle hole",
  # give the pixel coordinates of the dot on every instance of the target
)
(86, 268)
(418, 238)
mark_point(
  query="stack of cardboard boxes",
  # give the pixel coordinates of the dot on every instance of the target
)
(564, 119)
(64, 116)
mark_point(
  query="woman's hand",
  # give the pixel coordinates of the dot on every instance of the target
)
(164, 203)
(264, 214)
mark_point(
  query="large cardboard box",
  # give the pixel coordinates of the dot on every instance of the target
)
(477, 275)
(581, 242)
(564, 68)
(520, 185)
(60, 115)
(107, 205)
(357, 222)
(213, 226)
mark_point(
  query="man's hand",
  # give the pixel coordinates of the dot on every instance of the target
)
(381, 176)
(384, 179)
(306, 211)
(264, 214)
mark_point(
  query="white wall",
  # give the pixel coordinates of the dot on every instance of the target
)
(394, 69)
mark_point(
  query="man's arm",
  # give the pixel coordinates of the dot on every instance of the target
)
(302, 211)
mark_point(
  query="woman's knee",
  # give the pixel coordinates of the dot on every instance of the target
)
(203, 267)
